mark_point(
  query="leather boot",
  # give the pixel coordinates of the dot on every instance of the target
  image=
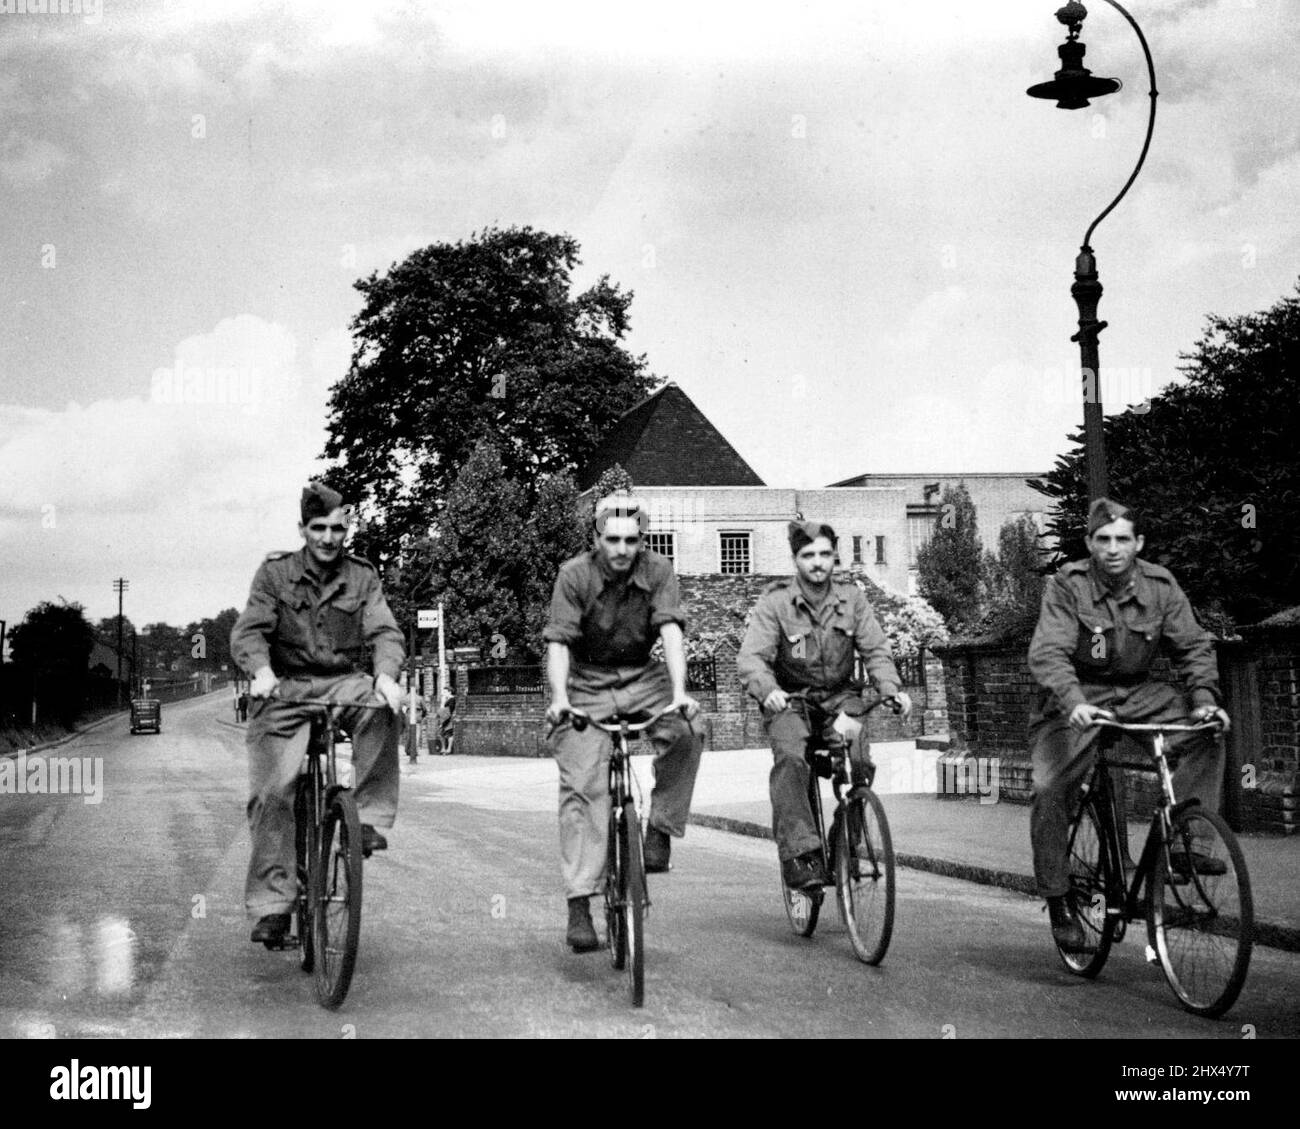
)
(582, 934)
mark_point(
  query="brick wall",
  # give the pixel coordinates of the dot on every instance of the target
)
(990, 694)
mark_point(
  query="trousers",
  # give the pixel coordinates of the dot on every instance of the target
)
(1063, 758)
(278, 733)
(582, 758)
(793, 826)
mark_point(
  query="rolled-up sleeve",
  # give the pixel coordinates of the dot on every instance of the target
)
(1191, 651)
(758, 651)
(250, 637)
(565, 622)
(1052, 646)
(665, 599)
(383, 635)
(873, 645)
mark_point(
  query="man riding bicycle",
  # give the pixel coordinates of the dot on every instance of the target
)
(801, 639)
(1101, 624)
(316, 618)
(608, 607)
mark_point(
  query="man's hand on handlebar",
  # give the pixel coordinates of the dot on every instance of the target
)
(388, 689)
(557, 711)
(1085, 714)
(1212, 713)
(263, 684)
(903, 703)
(776, 701)
(686, 703)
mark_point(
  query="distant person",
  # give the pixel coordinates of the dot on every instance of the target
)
(317, 619)
(609, 606)
(796, 660)
(1101, 624)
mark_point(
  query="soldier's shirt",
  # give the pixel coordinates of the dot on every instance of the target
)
(1089, 633)
(299, 621)
(791, 645)
(611, 621)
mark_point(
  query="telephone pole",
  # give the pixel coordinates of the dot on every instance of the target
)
(119, 586)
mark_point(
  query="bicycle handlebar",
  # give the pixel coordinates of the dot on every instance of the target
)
(329, 703)
(894, 703)
(1110, 722)
(580, 720)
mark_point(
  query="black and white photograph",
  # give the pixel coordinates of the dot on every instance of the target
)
(588, 521)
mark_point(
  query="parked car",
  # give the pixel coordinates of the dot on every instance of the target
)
(146, 713)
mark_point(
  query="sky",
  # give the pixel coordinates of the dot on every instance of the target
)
(849, 233)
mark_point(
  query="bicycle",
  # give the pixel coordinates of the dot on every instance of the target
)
(627, 898)
(858, 852)
(1198, 907)
(327, 914)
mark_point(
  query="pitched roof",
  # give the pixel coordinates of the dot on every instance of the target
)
(667, 441)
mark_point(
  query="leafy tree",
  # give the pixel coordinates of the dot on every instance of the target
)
(949, 565)
(475, 341)
(476, 561)
(1013, 578)
(164, 649)
(53, 644)
(558, 528)
(1211, 466)
(612, 479)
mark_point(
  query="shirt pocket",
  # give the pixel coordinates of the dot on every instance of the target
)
(343, 623)
(1141, 645)
(294, 627)
(1094, 647)
(837, 655)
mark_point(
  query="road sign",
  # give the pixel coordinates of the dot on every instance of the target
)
(427, 619)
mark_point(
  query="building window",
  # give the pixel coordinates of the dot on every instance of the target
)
(664, 544)
(857, 548)
(733, 553)
(920, 527)
(880, 550)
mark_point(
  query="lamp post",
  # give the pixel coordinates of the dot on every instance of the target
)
(1071, 88)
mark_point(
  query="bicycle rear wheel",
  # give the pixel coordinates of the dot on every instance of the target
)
(337, 900)
(634, 902)
(1089, 864)
(864, 874)
(304, 836)
(1204, 924)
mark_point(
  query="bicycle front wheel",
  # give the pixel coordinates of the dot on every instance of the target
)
(1089, 867)
(634, 901)
(307, 855)
(337, 900)
(864, 875)
(615, 865)
(1202, 913)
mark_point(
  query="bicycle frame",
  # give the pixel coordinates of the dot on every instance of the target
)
(1125, 903)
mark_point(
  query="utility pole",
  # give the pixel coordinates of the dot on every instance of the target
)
(119, 586)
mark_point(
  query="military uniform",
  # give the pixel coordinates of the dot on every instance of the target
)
(321, 634)
(609, 625)
(791, 645)
(1095, 643)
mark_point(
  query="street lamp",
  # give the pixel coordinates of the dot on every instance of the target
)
(1071, 88)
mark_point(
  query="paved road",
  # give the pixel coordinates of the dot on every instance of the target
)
(125, 918)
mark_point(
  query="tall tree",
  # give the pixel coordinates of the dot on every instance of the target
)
(612, 479)
(1014, 578)
(477, 560)
(1212, 466)
(949, 565)
(53, 645)
(477, 340)
(559, 527)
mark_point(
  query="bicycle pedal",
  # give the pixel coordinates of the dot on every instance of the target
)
(282, 944)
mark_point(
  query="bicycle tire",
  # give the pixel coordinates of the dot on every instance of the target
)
(1090, 867)
(1204, 924)
(336, 901)
(304, 833)
(634, 899)
(615, 937)
(865, 874)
